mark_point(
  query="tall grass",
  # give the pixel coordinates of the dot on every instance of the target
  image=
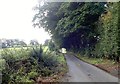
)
(26, 64)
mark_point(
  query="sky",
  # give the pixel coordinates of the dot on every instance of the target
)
(16, 21)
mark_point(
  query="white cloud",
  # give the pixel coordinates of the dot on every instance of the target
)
(15, 20)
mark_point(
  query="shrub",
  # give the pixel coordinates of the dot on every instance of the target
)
(24, 65)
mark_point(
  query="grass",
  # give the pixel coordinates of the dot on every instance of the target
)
(107, 65)
(2, 64)
(26, 64)
(95, 60)
(19, 53)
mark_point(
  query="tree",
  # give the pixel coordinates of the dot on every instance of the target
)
(46, 42)
(16, 41)
(4, 45)
(51, 45)
(107, 27)
(70, 23)
(90, 28)
(22, 43)
(34, 42)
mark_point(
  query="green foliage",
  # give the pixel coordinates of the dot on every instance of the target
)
(77, 15)
(2, 64)
(108, 33)
(34, 42)
(118, 37)
(89, 28)
(70, 24)
(50, 44)
(32, 74)
(96, 61)
(7, 43)
(25, 65)
(15, 53)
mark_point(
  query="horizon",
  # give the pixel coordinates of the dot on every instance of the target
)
(16, 18)
(26, 41)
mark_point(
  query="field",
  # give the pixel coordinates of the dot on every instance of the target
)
(31, 64)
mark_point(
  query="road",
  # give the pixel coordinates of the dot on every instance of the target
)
(80, 71)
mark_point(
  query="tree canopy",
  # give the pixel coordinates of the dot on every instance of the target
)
(80, 26)
(69, 21)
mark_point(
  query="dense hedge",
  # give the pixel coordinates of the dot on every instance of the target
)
(107, 27)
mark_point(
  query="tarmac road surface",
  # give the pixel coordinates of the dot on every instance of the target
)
(80, 71)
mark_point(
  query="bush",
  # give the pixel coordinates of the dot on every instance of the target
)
(108, 32)
(24, 65)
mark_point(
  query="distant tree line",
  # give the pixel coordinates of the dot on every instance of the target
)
(7, 43)
(34, 42)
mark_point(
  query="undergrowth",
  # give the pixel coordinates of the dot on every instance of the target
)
(26, 65)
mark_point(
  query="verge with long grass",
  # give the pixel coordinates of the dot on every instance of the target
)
(31, 64)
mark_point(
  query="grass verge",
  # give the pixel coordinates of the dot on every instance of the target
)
(104, 64)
